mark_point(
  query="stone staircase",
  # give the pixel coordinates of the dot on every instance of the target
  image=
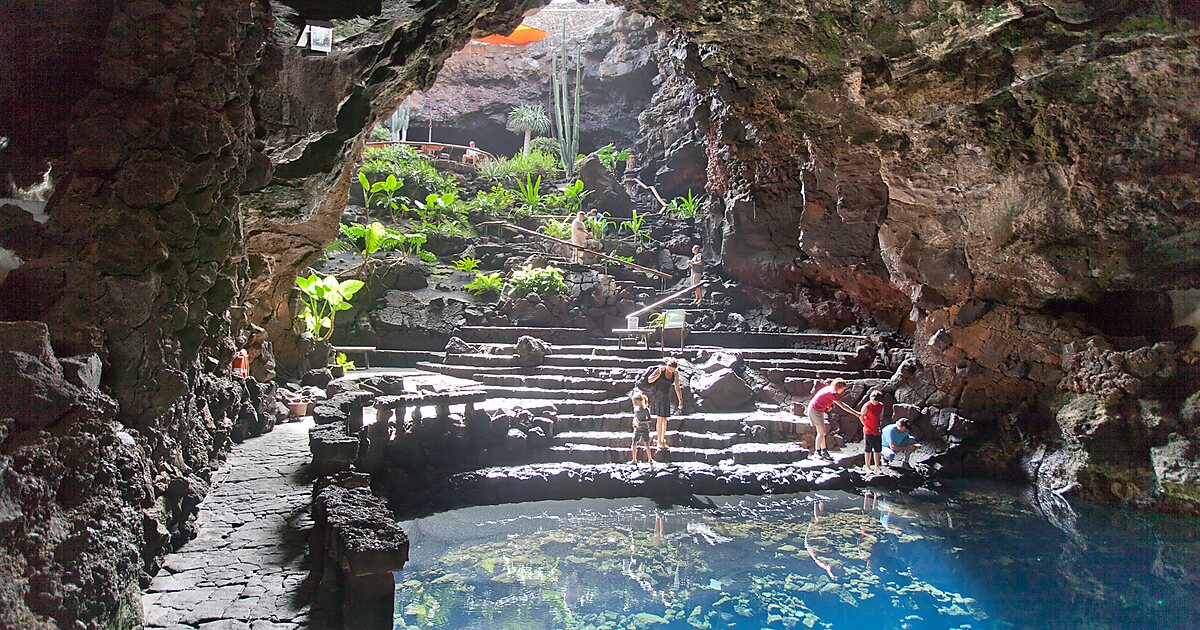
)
(588, 382)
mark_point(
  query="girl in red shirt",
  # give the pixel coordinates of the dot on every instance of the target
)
(872, 411)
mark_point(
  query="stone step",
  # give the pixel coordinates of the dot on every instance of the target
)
(568, 384)
(576, 406)
(469, 371)
(610, 347)
(510, 334)
(403, 358)
(746, 453)
(577, 395)
(699, 423)
(620, 439)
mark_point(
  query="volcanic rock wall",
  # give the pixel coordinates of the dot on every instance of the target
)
(482, 83)
(1003, 179)
(1002, 173)
(199, 163)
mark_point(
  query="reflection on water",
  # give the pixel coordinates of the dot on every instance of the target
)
(971, 556)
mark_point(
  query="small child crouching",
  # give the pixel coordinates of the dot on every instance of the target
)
(641, 428)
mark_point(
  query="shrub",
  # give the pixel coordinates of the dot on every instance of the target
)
(570, 199)
(494, 202)
(496, 171)
(381, 134)
(545, 144)
(543, 281)
(609, 156)
(534, 163)
(556, 228)
(486, 283)
(468, 264)
(321, 298)
(409, 166)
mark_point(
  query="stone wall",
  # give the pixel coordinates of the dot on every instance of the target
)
(199, 162)
(998, 179)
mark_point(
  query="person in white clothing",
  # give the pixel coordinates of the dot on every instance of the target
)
(579, 236)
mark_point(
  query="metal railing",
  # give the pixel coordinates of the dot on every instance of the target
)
(440, 145)
(667, 300)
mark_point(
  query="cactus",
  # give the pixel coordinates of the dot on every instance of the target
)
(566, 116)
(398, 122)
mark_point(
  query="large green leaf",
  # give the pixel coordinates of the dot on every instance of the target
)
(349, 287)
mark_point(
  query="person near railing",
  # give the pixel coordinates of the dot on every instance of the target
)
(579, 236)
(696, 266)
(662, 381)
(472, 155)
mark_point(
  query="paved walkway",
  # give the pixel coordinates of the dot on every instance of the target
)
(245, 568)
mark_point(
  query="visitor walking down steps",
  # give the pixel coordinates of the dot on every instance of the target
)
(821, 403)
(660, 381)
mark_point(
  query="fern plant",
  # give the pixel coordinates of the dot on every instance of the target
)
(485, 283)
(468, 264)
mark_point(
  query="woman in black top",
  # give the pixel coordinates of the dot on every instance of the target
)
(662, 380)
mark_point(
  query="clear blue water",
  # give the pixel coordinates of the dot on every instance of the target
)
(967, 556)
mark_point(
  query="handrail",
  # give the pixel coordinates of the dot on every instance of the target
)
(653, 190)
(670, 298)
(522, 230)
(421, 143)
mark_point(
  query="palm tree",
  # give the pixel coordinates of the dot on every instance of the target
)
(528, 118)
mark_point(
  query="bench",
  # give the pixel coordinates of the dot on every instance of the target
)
(365, 351)
(634, 333)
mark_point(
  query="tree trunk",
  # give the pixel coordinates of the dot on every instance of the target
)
(528, 137)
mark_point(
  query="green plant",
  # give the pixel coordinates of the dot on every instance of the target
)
(614, 254)
(598, 226)
(530, 194)
(556, 228)
(383, 194)
(409, 166)
(634, 225)
(533, 163)
(573, 196)
(398, 121)
(566, 117)
(688, 206)
(609, 156)
(468, 264)
(380, 134)
(543, 281)
(496, 170)
(544, 144)
(494, 202)
(427, 256)
(344, 362)
(321, 298)
(411, 243)
(485, 283)
(375, 237)
(528, 119)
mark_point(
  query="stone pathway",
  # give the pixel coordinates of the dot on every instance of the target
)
(245, 568)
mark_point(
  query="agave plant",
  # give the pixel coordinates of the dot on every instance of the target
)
(528, 119)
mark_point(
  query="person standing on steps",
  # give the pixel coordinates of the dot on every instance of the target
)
(641, 428)
(696, 266)
(871, 412)
(819, 406)
(661, 381)
(579, 236)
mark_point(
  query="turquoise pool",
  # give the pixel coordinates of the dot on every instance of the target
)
(965, 556)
